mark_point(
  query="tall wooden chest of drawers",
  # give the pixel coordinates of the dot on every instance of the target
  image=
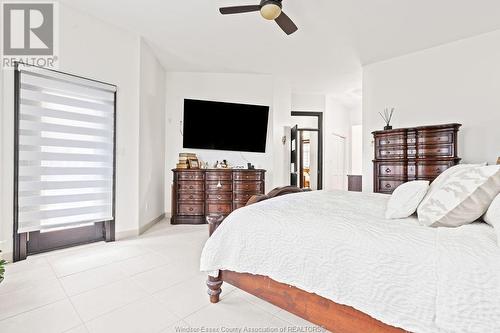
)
(417, 153)
(197, 193)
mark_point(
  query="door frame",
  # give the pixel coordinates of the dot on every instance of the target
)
(301, 155)
(319, 116)
(20, 247)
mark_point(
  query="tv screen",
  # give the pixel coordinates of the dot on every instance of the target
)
(225, 126)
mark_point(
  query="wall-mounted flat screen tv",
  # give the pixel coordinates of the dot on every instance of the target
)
(225, 126)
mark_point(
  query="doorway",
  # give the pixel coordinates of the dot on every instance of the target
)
(307, 150)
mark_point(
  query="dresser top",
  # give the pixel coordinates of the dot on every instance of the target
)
(218, 170)
(420, 128)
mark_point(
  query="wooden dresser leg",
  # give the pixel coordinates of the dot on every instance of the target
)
(214, 288)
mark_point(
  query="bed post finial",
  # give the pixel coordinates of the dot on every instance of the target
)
(214, 288)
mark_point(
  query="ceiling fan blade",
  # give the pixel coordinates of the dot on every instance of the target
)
(239, 9)
(286, 24)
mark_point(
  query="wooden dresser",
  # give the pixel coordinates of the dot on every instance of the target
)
(417, 153)
(197, 193)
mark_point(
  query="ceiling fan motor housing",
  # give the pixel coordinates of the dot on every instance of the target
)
(270, 9)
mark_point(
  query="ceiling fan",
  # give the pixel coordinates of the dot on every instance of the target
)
(269, 9)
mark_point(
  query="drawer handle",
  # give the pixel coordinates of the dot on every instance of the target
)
(388, 185)
(190, 209)
(388, 141)
(388, 170)
(190, 197)
(191, 187)
(219, 209)
(219, 197)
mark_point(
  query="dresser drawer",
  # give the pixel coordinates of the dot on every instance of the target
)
(390, 140)
(436, 151)
(191, 175)
(391, 170)
(435, 138)
(186, 196)
(237, 205)
(247, 175)
(225, 186)
(219, 175)
(219, 208)
(386, 185)
(184, 186)
(243, 186)
(243, 196)
(390, 153)
(432, 169)
(219, 196)
(190, 209)
(412, 170)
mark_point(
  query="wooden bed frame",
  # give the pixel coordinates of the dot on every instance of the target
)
(314, 308)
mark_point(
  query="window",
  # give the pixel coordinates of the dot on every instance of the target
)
(64, 150)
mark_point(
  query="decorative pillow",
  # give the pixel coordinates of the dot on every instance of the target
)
(405, 199)
(492, 216)
(461, 198)
(439, 181)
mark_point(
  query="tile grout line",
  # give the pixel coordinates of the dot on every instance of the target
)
(69, 300)
(32, 309)
(95, 267)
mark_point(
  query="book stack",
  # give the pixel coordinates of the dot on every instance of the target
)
(184, 160)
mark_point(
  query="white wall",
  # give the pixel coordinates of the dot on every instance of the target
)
(337, 144)
(97, 50)
(308, 102)
(235, 88)
(151, 137)
(457, 82)
(357, 150)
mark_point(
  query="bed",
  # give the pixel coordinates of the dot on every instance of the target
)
(332, 258)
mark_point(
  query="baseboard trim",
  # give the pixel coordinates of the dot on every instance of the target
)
(151, 223)
(137, 232)
(120, 235)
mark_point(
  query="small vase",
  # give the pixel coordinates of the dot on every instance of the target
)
(388, 127)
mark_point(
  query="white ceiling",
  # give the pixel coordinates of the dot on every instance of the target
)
(335, 37)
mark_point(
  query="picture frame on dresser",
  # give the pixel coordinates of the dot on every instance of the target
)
(414, 153)
(193, 163)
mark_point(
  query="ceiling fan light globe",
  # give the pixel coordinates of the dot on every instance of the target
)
(270, 11)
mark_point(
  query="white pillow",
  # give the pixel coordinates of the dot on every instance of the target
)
(405, 199)
(492, 216)
(462, 198)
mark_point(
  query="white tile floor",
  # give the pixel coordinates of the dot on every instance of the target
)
(148, 284)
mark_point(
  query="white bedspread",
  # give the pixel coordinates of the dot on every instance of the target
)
(338, 245)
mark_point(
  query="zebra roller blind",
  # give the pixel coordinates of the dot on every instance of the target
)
(65, 150)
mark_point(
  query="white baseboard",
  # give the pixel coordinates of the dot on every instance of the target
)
(151, 223)
(119, 235)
